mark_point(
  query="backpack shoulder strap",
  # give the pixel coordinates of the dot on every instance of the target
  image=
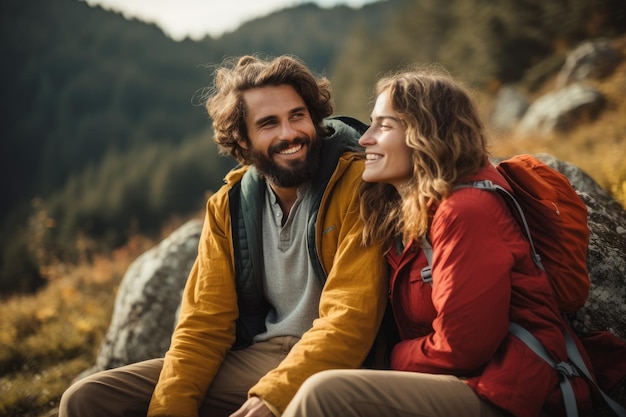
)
(490, 186)
(565, 369)
(574, 355)
(427, 275)
(576, 367)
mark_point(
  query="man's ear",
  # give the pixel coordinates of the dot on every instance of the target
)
(243, 143)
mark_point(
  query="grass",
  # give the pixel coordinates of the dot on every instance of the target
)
(48, 338)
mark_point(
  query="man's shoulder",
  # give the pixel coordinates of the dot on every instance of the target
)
(341, 146)
(346, 125)
(349, 170)
(344, 132)
(232, 178)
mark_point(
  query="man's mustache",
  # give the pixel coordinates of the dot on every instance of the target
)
(284, 144)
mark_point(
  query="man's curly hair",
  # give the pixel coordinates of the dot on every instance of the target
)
(227, 109)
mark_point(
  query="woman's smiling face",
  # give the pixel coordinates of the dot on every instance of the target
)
(388, 158)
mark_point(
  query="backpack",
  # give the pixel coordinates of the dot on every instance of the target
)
(554, 219)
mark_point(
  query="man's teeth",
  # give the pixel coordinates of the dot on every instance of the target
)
(291, 150)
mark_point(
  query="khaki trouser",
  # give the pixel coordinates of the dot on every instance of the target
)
(372, 393)
(126, 391)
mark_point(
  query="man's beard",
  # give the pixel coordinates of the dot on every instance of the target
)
(298, 171)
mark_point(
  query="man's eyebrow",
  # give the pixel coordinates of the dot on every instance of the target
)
(298, 109)
(263, 120)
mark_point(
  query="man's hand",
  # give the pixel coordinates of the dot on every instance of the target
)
(253, 407)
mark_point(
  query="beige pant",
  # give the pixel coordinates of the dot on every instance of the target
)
(126, 391)
(373, 393)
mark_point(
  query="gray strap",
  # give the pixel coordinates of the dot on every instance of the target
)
(565, 369)
(490, 186)
(427, 275)
(574, 355)
(575, 368)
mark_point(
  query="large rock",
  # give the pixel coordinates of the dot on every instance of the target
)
(509, 107)
(146, 306)
(562, 110)
(592, 59)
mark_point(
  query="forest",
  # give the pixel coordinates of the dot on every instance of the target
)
(106, 135)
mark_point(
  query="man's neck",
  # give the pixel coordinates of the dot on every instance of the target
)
(286, 197)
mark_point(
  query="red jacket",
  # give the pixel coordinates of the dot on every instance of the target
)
(483, 278)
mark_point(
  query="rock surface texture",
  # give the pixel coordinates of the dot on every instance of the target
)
(147, 302)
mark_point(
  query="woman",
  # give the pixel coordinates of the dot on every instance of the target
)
(426, 139)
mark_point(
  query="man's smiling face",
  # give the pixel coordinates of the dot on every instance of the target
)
(284, 146)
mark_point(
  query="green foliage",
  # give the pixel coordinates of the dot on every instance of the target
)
(135, 190)
(20, 266)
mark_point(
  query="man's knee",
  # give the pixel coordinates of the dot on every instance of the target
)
(76, 400)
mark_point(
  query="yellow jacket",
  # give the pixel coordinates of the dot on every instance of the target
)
(351, 305)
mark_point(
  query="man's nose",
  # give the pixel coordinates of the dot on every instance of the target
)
(287, 131)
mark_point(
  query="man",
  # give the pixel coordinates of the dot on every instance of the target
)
(282, 287)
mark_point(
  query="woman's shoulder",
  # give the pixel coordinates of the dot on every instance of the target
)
(471, 204)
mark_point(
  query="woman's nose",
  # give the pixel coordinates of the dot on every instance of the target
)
(366, 139)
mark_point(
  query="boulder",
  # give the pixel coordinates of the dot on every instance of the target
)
(148, 299)
(592, 59)
(508, 108)
(561, 110)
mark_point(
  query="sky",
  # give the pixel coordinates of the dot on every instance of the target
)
(198, 18)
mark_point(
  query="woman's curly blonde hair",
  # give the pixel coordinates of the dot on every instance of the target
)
(446, 137)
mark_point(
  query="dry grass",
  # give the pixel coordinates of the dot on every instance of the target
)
(48, 338)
